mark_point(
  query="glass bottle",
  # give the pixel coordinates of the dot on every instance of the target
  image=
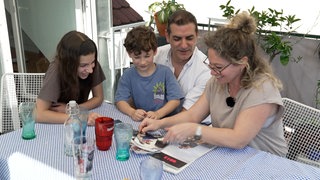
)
(72, 126)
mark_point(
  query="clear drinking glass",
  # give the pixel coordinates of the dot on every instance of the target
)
(83, 153)
(151, 169)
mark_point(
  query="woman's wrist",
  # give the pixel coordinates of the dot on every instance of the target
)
(198, 132)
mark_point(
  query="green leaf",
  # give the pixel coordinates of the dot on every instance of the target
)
(284, 59)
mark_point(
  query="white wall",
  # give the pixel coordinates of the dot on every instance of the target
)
(300, 78)
(46, 21)
(5, 55)
(308, 11)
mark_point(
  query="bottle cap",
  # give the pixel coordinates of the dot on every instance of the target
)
(72, 107)
(72, 103)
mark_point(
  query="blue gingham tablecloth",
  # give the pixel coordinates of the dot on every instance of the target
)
(43, 158)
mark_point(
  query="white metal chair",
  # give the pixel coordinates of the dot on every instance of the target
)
(17, 88)
(302, 131)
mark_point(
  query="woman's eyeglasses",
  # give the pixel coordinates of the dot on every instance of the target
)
(214, 68)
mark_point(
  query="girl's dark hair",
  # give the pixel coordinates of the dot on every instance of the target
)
(71, 46)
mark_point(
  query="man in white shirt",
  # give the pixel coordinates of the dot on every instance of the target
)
(183, 57)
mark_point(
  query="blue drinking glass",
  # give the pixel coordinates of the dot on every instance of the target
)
(27, 114)
(123, 134)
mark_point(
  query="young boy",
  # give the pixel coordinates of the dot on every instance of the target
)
(146, 89)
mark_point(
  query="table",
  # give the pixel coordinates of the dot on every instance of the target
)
(43, 158)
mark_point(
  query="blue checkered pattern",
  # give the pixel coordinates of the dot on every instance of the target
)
(221, 163)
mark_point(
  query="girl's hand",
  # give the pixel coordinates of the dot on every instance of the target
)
(92, 118)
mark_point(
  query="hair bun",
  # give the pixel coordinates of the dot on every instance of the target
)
(244, 22)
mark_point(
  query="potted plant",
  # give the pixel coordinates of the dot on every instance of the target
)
(272, 42)
(160, 13)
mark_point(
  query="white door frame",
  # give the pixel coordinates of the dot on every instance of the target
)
(5, 53)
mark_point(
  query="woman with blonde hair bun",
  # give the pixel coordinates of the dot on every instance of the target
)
(242, 96)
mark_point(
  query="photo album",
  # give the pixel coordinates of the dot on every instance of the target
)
(175, 157)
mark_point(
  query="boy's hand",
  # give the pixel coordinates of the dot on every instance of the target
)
(138, 115)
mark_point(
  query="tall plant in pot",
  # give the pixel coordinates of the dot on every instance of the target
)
(272, 42)
(160, 13)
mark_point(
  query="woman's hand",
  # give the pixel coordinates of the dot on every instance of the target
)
(180, 132)
(92, 118)
(149, 124)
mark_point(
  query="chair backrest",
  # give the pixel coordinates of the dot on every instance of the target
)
(302, 131)
(17, 88)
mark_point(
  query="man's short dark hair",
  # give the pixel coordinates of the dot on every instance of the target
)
(182, 17)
